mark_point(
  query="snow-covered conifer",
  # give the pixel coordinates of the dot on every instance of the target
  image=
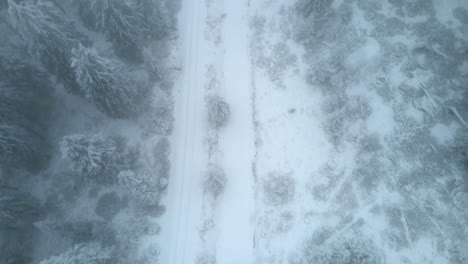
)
(105, 83)
(90, 155)
(48, 34)
(127, 23)
(142, 185)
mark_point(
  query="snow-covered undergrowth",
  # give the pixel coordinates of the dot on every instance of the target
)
(363, 105)
(86, 109)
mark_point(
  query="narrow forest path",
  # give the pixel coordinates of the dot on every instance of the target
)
(235, 238)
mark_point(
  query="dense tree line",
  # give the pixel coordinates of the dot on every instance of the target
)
(48, 59)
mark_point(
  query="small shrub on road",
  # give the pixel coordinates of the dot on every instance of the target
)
(218, 112)
(215, 181)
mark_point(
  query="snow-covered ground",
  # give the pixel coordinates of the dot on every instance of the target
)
(341, 145)
(235, 212)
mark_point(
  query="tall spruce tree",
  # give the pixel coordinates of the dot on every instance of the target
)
(49, 36)
(105, 83)
(127, 23)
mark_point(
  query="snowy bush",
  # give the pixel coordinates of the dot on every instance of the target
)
(142, 186)
(218, 112)
(279, 189)
(206, 258)
(89, 155)
(279, 62)
(89, 253)
(106, 83)
(215, 181)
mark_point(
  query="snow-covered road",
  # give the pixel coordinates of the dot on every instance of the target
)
(180, 240)
(179, 224)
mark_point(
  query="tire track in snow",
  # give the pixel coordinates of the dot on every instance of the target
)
(181, 194)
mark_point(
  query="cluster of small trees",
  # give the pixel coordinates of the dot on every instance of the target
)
(108, 160)
(331, 43)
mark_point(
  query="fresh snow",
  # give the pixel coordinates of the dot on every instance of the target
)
(180, 223)
(234, 220)
(243, 51)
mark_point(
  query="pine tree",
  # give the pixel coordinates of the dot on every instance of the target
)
(105, 83)
(17, 209)
(127, 23)
(49, 36)
(90, 156)
(89, 253)
(25, 99)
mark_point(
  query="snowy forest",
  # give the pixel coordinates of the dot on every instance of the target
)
(233, 131)
(85, 111)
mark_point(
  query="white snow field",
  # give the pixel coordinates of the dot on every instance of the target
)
(346, 140)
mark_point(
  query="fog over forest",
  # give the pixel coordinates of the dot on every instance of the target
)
(233, 131)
